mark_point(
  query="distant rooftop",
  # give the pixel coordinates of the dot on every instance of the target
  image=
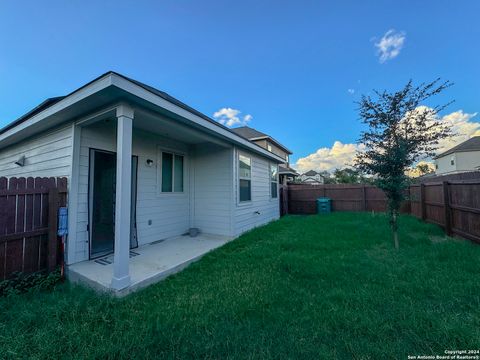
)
(472, 144)
(253, 134)
(311, 173)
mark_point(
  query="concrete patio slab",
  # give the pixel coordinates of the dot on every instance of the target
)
(148, 263)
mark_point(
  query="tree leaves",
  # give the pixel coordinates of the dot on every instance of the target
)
(400, 132)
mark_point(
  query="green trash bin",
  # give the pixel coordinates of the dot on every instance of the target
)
(324, 205)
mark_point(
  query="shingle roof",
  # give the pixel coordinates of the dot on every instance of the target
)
(472, 144)
(311, 173)
(42, 106)
(253, 134)
(248, 132)
(286, 170)
(51, 101)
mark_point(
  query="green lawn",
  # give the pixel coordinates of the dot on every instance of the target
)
(302, 287)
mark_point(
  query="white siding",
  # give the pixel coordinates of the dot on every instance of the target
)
(245, 213)
(468, 160)
(444, 164)
(462, 161)
(47, 154)
(168, 214)
(213, 193)
(209, 201)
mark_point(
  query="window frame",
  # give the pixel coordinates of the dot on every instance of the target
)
(271, 181)
(239, 201)
(174, 153)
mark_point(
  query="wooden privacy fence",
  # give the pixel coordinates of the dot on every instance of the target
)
(28, 224)
(283, 200)
(454, 205)
(345, 197)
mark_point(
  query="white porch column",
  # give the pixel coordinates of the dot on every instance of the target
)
(121, 275)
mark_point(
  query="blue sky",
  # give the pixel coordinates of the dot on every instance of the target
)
(288, 64)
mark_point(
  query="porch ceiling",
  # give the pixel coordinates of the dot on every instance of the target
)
(164, 126)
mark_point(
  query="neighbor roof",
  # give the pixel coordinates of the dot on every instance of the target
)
(108, 80)
(311, 173)
(286, 170)
(249, 133)
(472, 144)
(253, 134)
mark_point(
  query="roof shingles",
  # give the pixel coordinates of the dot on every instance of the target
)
(472, 144)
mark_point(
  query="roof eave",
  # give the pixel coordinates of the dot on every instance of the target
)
(282, 147)
(114, 79)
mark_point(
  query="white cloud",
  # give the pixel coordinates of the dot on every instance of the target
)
(351, 91)
(329, 159)
(341, 155)
(389, 46)
(416, 171)
(231, 117)
(462, 125)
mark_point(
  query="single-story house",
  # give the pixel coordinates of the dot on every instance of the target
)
(143, 169)
(461, 158)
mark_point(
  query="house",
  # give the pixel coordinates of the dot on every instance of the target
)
(312, 177)
(461, 158)
(143, 169)
(286, 173)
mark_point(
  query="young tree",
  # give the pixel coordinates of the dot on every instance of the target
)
(400, 132)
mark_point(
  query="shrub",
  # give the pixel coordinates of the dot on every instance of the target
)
(21, 282)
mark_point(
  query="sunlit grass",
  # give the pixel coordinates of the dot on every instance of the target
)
(302, 287)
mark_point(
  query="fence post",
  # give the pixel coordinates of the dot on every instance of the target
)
(423, 210)
(52, 229)
(285, 199)
(364, 192)
(446, 201)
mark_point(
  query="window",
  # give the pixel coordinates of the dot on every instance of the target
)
(286, 158)
(172, 172)
(269, 147)
(245, 178)
(452, 161)
(273, 180)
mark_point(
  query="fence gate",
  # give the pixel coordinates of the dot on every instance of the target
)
(28, 224)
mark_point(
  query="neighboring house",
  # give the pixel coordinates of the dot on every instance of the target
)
(286, 173)
(140, 162)
(312, 177)
(461, 158)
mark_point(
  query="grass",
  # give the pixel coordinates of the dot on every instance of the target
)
(311, 287)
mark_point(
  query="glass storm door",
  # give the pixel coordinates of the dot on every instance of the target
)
(103, 168)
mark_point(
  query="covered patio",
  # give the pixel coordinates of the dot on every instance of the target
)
(148, 263)
(127, 217)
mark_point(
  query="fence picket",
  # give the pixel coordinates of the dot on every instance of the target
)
(28, 240)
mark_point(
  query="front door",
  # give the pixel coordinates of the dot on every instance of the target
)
(103, 168)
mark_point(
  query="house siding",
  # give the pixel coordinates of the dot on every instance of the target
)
(463, 161)
(159, 216)
(275, 149)
(213, 193)
(48, 154)
(268, 208)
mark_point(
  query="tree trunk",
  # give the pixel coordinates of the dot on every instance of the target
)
(395, 230)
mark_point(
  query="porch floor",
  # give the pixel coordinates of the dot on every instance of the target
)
(148, 263)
